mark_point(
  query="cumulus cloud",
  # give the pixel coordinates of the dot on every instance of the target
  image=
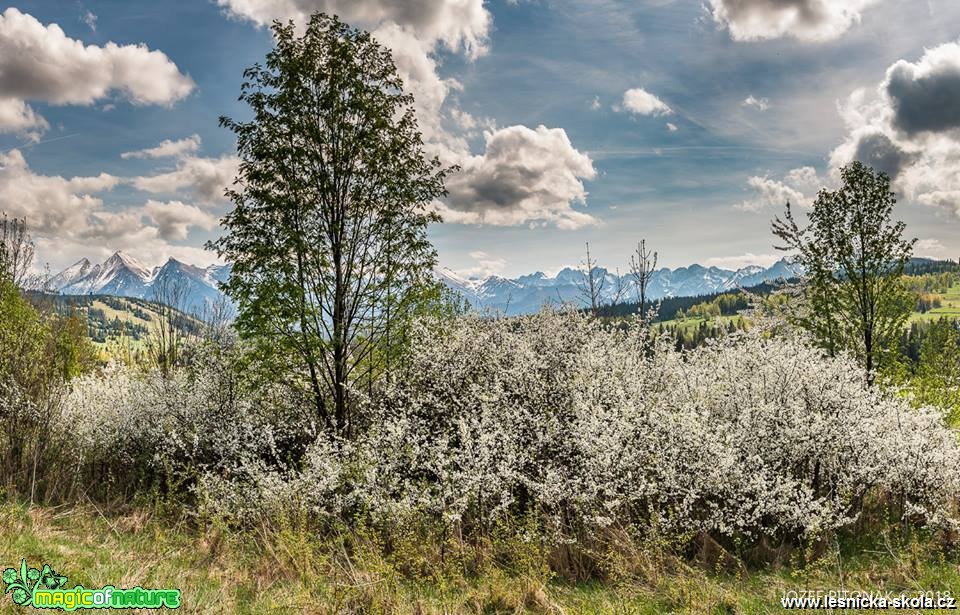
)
(924, 95)
(909, 127)
(807, 20)
(524, 176)
(204, 178)
(53, 205)
(18, 118)
(68, 218)
(672, 127)
(757, 103)
(42, 63)
(174, 218)
(167, 149)
(460, 25)
(642, 102)
(413, 31)
(799, 188)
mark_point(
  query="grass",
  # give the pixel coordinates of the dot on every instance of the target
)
(690, 324)
(949, 309)
(290, 571)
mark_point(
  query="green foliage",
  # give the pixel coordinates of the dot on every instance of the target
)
(328, 233)
(38, 353)
(935, 352)
(854, 256)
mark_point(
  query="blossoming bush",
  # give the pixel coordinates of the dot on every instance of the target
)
(554, 416)
(136, 428)
(586, 425)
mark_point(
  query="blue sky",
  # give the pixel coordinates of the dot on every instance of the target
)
(685, 122)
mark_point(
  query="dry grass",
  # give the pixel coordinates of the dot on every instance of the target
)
(291, 570)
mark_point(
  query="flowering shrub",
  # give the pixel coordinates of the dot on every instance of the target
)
(587, 425)
(140, 427)
(555, 415)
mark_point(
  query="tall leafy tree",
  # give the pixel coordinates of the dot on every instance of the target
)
(328, 233)
(854, 255)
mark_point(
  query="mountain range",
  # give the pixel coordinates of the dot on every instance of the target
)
(528, 293)
(123, 275)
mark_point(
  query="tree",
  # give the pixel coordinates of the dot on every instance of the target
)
(643, 264)
(591, 286)
(328, 233)
(853, 256)
(166, 339)
(16, 250)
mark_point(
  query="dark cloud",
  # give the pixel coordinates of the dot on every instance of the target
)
(878, 151)
(925, 101)
(524, 176)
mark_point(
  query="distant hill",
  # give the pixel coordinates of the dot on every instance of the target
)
(120, 327)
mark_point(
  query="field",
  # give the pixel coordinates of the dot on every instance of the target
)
(949, 309)
(290, 571)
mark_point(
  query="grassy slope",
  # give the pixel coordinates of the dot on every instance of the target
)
(220, 572)
(950, 308)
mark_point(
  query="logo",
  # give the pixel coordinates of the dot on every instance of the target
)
(44, 588)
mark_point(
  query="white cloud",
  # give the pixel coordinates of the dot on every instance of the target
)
(930, 248)
(672, 127)
(174, 218)
(524, 177)
(17, 117)
(52, 205)
(799, 188)
(757, 103)
(204, 178)
(413, 31)
(807, 20)
(90, 19)
(167, 149)
(909, 127)
(742, 260)
(485, 265)
(595, 103)
(41, 63)
(642, 102)
(68, 218)
(460, 25)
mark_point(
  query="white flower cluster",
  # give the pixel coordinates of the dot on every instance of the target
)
(583, 425)
(589, 425)
(134, 425)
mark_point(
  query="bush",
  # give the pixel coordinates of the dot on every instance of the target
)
(39, 352)
(137, 430)
(585, 427)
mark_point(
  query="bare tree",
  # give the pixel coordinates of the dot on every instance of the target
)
(591, 286)
(170, 294)
(16, 250)
(643, 264)
(217, 318)
(619, 289)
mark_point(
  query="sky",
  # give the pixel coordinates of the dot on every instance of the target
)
(685, 122)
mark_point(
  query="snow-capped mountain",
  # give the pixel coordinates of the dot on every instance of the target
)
(528, 293)
(125, 276)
